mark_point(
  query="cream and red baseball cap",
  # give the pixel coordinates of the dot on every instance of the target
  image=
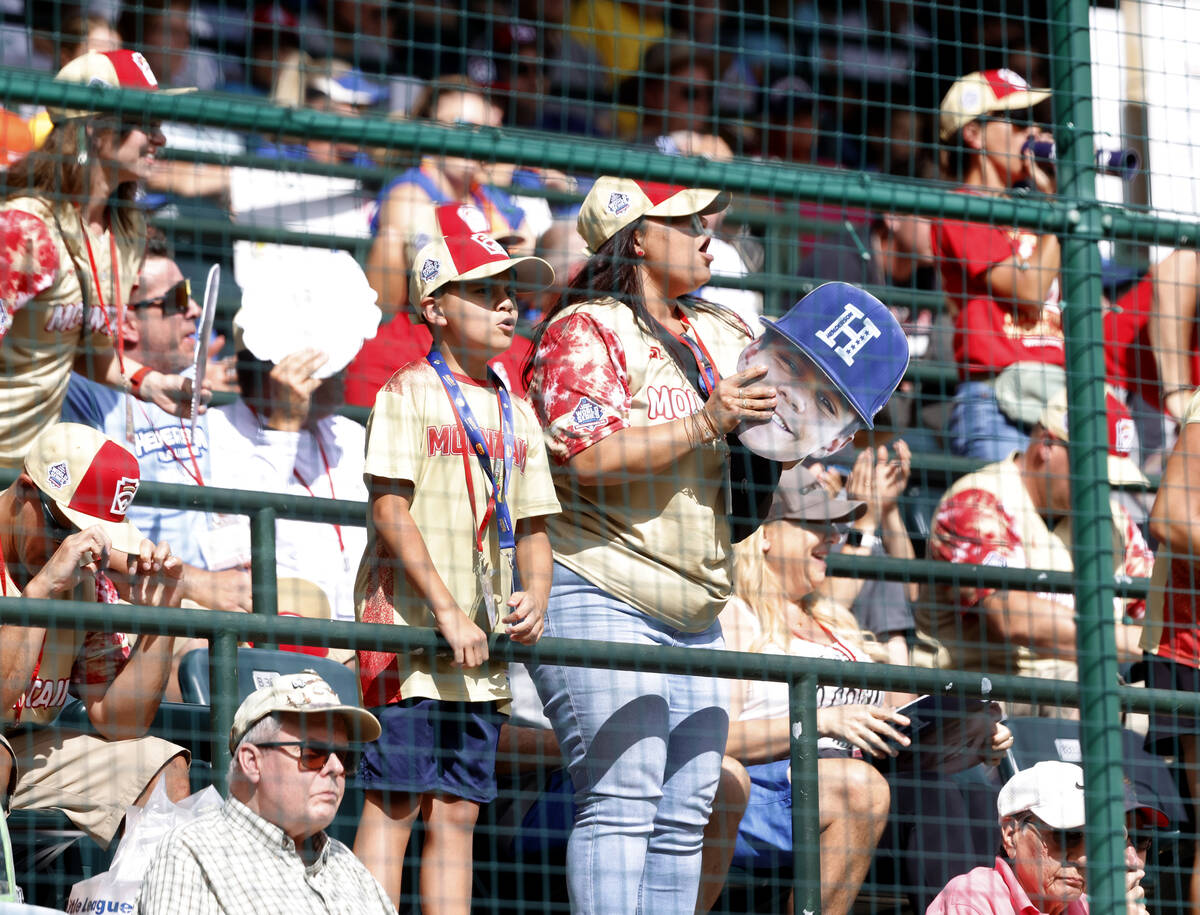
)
(90, 478)
(1122, 435)
(467, 219)
(455, 258)
(120, 69)
(304, 693)
(614, 203)
(977, 94)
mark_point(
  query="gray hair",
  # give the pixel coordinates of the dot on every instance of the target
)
(266, 728)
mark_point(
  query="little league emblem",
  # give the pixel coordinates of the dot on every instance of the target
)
(431, 268)
(587, 413)
(126, 489)
(618, 203)
(58, 475)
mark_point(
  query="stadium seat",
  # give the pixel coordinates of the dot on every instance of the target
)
(257, 666)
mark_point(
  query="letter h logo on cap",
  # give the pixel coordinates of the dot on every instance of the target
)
(856, 338)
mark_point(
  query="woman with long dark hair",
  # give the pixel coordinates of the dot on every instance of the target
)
(70, 250)
(636, 384)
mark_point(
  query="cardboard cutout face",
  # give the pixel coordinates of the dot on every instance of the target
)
(812, 418)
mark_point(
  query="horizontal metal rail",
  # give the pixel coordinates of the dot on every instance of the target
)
(1087, 219)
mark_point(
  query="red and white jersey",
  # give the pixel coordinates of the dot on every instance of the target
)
(414, 435)
(1172, 629)
(991, 335)
(68, 659)
(42, 312)
(988, 518)
(660, 544)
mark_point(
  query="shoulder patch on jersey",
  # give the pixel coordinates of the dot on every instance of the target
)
(587, 413)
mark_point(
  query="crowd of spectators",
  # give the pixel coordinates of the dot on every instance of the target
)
(88, 287)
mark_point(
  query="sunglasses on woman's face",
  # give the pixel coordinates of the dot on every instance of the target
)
(175, 301)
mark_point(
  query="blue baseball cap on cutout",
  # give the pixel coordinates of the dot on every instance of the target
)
(853, 339)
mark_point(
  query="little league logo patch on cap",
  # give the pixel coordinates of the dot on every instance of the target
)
(1124, 435)
(587, 413)
(473, 218)
(127, 488)
(618, 203)
(430, 269)
(57, 475)
(971, 99)
(144, 65)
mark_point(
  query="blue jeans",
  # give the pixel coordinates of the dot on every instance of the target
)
(644, 751)
(978, 429)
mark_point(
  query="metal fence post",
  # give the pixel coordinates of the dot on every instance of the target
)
(806, 815)
(263, 583)
(1091, 528)
(223, 685)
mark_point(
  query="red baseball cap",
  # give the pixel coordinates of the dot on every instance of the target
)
(90, 477)
(120, 69)
(467, 219)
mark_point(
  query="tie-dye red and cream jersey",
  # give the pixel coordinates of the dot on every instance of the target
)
(989, 518)
(1172, 627)
(42, 310)
(659, 543)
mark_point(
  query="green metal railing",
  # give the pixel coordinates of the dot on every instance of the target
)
(1074, 214)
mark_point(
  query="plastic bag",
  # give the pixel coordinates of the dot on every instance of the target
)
(117, 888)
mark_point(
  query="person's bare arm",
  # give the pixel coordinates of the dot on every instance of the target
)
(394, 525)
(171, 392)
(1175, 517)
(535, 562)
(523, 749)
(1171, 326)
(1026, 282)
(126, 707)
(387, 261)
(650, 450)
(1022, 618)
(189, 179)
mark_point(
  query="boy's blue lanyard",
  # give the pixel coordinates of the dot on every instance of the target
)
(498, 500)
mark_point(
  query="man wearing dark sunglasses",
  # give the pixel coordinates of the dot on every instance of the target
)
(1044, 868)
(293, 741)
(159, 331)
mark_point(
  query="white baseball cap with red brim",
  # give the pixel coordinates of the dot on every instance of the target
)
(977, 94)
(90, 478)
(456, 258)
(120, 69)
(614, 203)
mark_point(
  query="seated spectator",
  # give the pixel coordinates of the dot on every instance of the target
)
(1044, 868)
(1015, 513)
(266, 850)
(882, 608)
(775, 572)
(406, 219)
(672, 91)
(284, 435)
(159, 331)
(68, 268)
(64, 534)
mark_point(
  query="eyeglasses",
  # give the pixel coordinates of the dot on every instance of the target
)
(688, 225)
(1065, 844)
(55, 529)
(315, 756)
(175, 301)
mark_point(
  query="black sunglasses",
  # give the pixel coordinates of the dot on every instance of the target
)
(175, 301)
(55, 529)
(315, 756)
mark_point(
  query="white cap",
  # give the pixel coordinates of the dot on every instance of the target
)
(1050, 790)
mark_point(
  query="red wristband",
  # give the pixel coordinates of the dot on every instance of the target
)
(135, 382)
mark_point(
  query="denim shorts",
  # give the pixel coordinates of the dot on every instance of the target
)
(429, 746)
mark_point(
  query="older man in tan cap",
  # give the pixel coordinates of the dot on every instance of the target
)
(266, 850)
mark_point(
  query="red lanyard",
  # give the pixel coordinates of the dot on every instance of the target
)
(480, 526)
(337, 528)
(194, 473)
(837, 645)
(118, 340)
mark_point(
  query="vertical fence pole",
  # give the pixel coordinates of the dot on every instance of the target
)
(806, 816)
(263, 584)
(1091, 526)
(223, 687)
